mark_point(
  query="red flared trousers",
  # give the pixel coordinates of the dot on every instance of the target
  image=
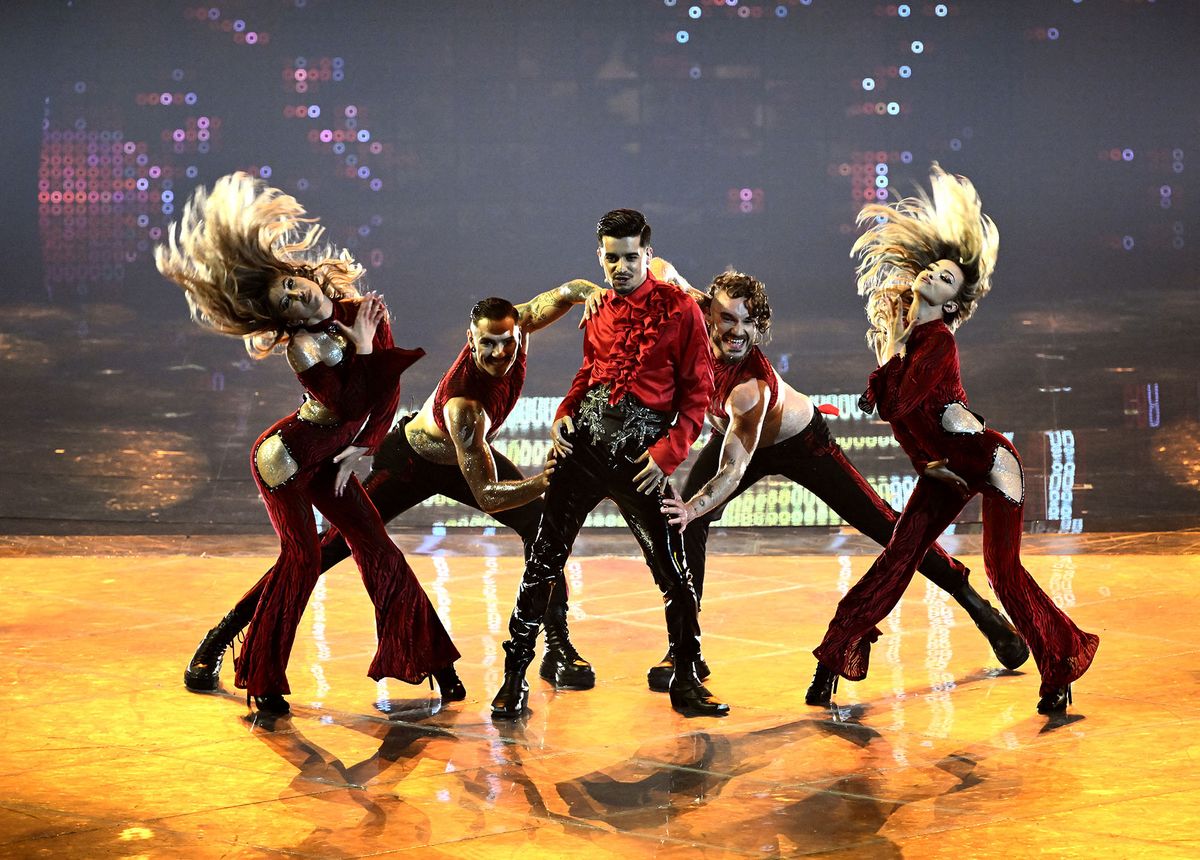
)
(1061, 650)
(412, 640)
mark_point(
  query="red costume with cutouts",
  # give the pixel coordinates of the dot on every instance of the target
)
(361, 393)
(921, 395)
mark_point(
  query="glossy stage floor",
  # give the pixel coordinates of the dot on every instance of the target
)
(938, 753)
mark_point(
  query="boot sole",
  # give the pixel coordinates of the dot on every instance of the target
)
(201, 685)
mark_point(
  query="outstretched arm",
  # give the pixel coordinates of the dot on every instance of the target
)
(747, 406)
(547, 307)
(468, 426)
(668, 274)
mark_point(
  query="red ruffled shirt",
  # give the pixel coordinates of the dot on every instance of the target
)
(465, 379)
(729, 375)
(361, 389)
(652, 344)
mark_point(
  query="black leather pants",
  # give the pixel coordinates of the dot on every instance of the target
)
(592, 472)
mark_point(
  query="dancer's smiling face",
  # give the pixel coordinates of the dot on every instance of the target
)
(495, 344)
(731, 326)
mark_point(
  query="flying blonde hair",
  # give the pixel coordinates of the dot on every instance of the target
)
(233, 242)
(914, 232)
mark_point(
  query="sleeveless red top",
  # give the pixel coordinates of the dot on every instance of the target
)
(729, 375)
(465, 379)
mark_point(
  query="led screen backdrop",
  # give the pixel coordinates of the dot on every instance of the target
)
(465, 149)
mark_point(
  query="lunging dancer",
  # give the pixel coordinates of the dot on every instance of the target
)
(763, 426)
(446, 449)
(924, 265)
(628, 420)
(249, 264)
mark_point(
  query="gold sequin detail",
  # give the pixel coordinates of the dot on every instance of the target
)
(1006, 476)
(276, 466)
(305, 352)
(315, 412)
(957, 418)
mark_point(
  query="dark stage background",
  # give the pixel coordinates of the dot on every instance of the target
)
(466, 149)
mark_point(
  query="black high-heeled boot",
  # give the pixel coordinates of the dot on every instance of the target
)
(1008, 646)
(659, 676)
(823, 686)
(561, 664)
(273, 704)
(203, 673)
(1055, 700)
(450, 686)
(696, 701)
(514, 692)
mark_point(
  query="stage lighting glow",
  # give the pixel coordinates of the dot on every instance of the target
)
(893, 108)
(955, 144)
(940, 10)
(868, 84)
(694, 73)
(918, 46)
(681, 37)
(1052, 33)
(903, 10)
(781, 11)
(1127, 243)
(1127, 154)
(905, 71)
(694, 12)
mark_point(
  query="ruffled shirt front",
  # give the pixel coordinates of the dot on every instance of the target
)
(652, 344)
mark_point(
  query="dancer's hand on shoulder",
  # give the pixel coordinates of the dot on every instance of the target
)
(592, 304)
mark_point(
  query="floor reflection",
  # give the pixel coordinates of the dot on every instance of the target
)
(938, 752)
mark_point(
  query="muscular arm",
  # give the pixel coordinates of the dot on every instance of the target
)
(747, 406)
(549, 306)
(468, 426)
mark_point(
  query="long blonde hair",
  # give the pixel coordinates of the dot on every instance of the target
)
(233, 242)
(914, 232)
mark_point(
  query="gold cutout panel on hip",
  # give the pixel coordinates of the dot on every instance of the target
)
(274, 462)
(315, 412)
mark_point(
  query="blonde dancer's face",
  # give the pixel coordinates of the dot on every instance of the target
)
(294, 298)
(937, 284)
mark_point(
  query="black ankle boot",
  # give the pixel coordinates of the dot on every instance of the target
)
(696, 701)
(1008, 646)
(660, 674)
(514, 692)
(1055, 700)
(272, 704)
(561, 664)
(203, 674)
(823, 686)
(450, 686)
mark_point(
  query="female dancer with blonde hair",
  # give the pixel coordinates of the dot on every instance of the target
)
(924, 265)
(250, 266)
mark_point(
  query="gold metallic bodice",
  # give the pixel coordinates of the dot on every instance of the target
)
(274, 462)
(304, 352)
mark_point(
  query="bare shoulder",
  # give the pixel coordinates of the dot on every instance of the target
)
(748, 396)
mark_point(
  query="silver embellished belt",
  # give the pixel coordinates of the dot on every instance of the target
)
(625, 423)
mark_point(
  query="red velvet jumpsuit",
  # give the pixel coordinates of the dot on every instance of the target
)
(921, 395)
(359, 391)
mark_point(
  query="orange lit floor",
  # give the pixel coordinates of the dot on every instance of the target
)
(937, 754)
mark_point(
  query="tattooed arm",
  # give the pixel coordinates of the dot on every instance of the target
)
(747, 407)
(546, 307)
(468, 425)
